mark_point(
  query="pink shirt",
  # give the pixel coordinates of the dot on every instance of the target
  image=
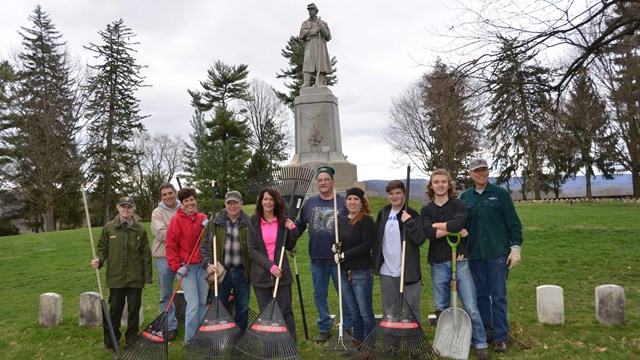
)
(269, 235)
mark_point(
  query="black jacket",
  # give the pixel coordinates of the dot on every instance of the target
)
(357, 241)
(260, 275)
(415, 238)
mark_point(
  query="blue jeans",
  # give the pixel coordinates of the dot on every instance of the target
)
(359, 295)
(441, 284)
(236, 280)
(195, 294)
(165, 282)
(490, 278)
(320, 274)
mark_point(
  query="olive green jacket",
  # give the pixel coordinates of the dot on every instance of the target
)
(219, 224)
(127, 255)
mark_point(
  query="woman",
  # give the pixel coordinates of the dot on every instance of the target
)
(357, 234)
(183, 234)
(266, 231)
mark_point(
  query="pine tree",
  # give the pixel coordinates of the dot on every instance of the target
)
(220, 149)
(294, 53)
(114, 112)
(45, 161)
(519, 117)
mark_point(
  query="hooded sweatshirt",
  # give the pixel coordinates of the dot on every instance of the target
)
(160, 219)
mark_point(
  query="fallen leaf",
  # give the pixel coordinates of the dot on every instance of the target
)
(600, 349)
(578, 343)
(545, 346)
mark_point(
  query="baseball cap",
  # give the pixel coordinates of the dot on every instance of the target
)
(477, 164)
(127, 200)
(233, 196)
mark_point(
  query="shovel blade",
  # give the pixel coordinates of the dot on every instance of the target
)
(453, 340)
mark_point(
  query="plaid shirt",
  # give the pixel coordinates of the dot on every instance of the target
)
(232, 247)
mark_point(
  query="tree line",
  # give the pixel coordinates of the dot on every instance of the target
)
(546, 91)
(64, 126)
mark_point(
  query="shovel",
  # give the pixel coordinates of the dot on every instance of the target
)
(453, 332)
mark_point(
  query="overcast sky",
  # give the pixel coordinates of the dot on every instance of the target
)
(379, 45)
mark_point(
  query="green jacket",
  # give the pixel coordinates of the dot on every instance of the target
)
(492, 222)
(220, 229)
(127, 254)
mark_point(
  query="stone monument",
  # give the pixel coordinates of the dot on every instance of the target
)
(317, 120)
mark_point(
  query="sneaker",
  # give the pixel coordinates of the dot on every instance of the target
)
(173, 334)
(323, 337)
(109, 348)
(482, 354)
(500, 346)
(128, 344)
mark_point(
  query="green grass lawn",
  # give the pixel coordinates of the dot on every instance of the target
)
(577, 247)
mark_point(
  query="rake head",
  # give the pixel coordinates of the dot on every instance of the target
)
(152, 343)
(397, 336)
(216, 335)
(267, 338)
(344, 345)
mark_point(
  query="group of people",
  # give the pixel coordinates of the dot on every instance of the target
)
(250, 252)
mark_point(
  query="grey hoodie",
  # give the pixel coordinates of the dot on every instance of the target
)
(160, 219)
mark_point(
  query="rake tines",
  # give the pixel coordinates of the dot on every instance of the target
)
(267, 338)
(272, 179)
(152, 343)
(215, 337)
(397, 336)
(295, 183)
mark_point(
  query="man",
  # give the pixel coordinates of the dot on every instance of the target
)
(317, 213)
(124, 247)
(160, 219)
(230, 231)
(495, 237)
(315, 34)
(387, 250)
(445, 214)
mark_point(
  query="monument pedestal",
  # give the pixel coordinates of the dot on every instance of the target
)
(318, 138)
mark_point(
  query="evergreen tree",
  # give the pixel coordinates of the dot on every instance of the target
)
(586, 121)
(220, 149)
(626, 90)
(43, 127)
(294, 53)
(114, 114)
(520, 115)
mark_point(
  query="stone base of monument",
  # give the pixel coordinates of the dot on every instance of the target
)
(318, 138)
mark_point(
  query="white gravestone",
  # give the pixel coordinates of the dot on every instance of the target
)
(610, 304)
(550, 299)
(50, 309)
(90, 309)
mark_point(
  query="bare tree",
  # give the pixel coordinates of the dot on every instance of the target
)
(434, 123)
(270, 120)
(548, 27)
(159, 159)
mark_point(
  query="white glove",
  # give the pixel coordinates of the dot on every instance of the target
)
(338, 258)
(514, 257)
(204, 222)
(183, 271)
(336, 247)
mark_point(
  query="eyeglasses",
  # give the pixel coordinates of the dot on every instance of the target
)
(320, 181)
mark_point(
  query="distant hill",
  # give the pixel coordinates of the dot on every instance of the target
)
(621, 185)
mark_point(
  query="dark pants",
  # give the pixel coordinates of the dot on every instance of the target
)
(117, 297)
(283, 297)
(235, 280)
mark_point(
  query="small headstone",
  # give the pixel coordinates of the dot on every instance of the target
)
(124, 320)
(50, 309)
(550, 304)
(90, 309)
(432, 320)
(610, 304)
(181, 305)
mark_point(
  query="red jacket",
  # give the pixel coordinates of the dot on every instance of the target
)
(182, 235)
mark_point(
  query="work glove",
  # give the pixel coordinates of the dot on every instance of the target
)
(338, 258)
(336, 247)
(514, 257)
(204, 222)
(183, 271)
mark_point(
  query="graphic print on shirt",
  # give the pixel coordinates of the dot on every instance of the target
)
(322, 220)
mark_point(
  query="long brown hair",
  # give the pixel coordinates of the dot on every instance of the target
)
(452, 185)
(278, 208)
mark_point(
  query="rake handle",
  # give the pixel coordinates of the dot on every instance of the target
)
(93, 248)
(337, 236)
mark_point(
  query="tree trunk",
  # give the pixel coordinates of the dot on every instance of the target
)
(49, 219)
